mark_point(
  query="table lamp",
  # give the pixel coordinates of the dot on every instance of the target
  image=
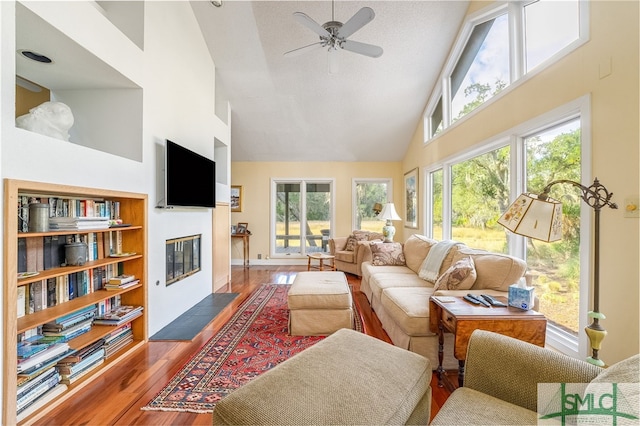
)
(540, 217)
(389, 213)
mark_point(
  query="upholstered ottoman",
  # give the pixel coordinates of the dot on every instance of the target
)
(319, 303)
(348, 378)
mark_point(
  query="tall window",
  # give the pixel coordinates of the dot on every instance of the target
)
(555, 154)
(302, 213)
(479, 195)
(436, 208)
(368, 193)
(467, 195)
(497, 47)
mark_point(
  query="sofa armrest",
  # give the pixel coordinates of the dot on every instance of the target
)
(337, 244)
(510, 369)
(362, 252)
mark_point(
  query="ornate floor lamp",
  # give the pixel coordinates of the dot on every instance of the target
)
(540, 217)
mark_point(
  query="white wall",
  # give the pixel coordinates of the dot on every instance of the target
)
(178, 80)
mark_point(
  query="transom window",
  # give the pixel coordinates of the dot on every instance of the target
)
(499, 46)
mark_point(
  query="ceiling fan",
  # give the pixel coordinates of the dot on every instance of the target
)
(334, 34)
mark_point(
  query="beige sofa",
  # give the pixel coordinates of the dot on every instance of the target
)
(400, 298)
(502, 377)
(349, 253)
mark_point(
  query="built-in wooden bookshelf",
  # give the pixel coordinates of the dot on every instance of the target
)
(133, 211)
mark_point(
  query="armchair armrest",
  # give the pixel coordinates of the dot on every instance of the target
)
(363, 252)
(510, 369)
(337, 244)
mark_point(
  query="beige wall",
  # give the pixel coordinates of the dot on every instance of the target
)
(255, 178)
(615, 136)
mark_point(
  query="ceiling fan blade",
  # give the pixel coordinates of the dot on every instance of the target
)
(303, 49)
(357, 21)
(311, 24)
(362, 48)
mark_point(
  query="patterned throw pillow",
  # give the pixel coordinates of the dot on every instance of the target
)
(351, 243)
(389, 254)
(460, 276)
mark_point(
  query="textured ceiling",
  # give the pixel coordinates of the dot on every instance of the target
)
(292, 109)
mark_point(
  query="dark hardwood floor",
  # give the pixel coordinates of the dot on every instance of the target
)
(116, 397)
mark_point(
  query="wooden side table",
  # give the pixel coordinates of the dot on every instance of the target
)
(455, 315)
(245, 247)
(321, 258)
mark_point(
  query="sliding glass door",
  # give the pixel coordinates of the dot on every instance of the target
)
(302, 212)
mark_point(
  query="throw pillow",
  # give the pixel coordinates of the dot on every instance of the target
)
(387, 254)
(360, 235)
(460, 276)
(351, 243)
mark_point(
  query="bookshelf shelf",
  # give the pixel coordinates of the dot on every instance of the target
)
(65, 270)
(133, 210)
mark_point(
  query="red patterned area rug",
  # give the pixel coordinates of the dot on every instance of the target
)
(254, 340)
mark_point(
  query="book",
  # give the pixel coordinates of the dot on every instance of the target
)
(22, 255)
(121, 286)
(121, 279)
(52, 297)
(80, 354)
(42, 401)
(41, 358)
(69, 369)
(70, 332)
(119, 315)
(21, 301)
(37, 392)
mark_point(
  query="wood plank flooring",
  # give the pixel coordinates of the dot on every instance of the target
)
(116, 397)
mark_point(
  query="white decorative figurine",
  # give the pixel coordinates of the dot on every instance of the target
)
(49, 118)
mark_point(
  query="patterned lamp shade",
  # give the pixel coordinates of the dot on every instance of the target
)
(534, 218)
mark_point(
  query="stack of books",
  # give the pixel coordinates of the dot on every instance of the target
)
(78, 223)
(71, 325)
(76, 365)
(32, 364)
(118, 339)
(119, 315)
(121, 281)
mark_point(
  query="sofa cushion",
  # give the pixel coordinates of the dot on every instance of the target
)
(416, 249)
(495, 271)
(409, 308)
(460, 276)
(351, 243)
(380, 281)
(387, 254)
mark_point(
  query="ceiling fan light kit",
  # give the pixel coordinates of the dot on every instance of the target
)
(333, 36)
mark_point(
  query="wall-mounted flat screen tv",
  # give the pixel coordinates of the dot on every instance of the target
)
(190, 178)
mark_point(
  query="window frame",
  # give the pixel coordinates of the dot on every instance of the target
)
(303, 207)
(517, 57)
(354, 196)
(556, 337)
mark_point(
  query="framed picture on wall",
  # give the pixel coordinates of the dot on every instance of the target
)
(236, 198)
(411, 198)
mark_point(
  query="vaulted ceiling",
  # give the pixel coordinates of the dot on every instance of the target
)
(292, 109)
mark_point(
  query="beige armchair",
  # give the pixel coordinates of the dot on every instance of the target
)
(502, 376)
(349, 255)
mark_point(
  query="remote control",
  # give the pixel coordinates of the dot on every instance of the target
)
(471, 300)
(479, 299)
(492, 300)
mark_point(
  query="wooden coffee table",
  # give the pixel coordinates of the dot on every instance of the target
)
(455, 315)
(321, 258)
